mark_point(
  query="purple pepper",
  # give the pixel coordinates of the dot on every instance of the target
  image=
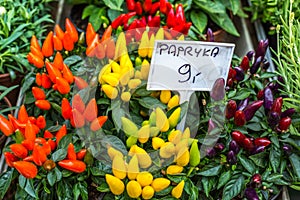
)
(231, 157)
(210, 152)
(288, 113)
(218, 90)
(251, 108)
(250, 54)
(243, 103)
(273, 119)
(261, 49)
(211, 125)
(268, 98)
(219, 146)
(250, 194)
(240, 74)
(256, 65)
(210, 35)
(257, 149)
(266, 65)
(287, 149)
(233, 145)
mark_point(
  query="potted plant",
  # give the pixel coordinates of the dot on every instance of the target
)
(19, 21)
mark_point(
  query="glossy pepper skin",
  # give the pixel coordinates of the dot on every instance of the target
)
(250, 109)
(76, 166)
(27, 169)
(238, 137)
(268, 98)
(5, 126)
(251, 194)
(239, 118)
(230, 109)
(218, 91)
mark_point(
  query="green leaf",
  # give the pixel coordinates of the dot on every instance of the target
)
(275, 155)
(295, 161)
(233, 187)
(247, 164)
(95, 18)
(83, 190)
(254, 126)
(260, 159)
(114, 4)
(76, 191)
(224, 178)
(103, 187)
(224, 21)
(241, 94)
(274, 177)
(199, 20)
(8, 90)
(30, 189)
(88, 10)
(65, 141)
(59, 155)
(151, 102)
(267, 75)
(54, 176)
(211, 172)
(5, 181)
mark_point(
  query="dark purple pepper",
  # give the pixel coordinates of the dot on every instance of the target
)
(250, 194)
(287, 149)
(250, 54)
(231, 158)
(268, 98)
(210, 152)
(230, 109)
(258, 149)
(261, 50)
(288, 113)
(243, 103)
(210, 35)
(266, 44)
(273, 119)
(240, 74)
(266, 65)
(256, 65)
(219, 146)
(234, 146)
(211, 125)
(251, 108)
(218, 90)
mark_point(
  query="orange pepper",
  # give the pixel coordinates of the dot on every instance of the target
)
(5, 126)
(27, 169)
(30, 133)
(61, 133)
(80, 82)
(38, 93)
(68, 42)
(58, 61)
(10, 158)
(46, 82)
(38, 79)
(23, 115)
(57, 43)
(107, 33)
(91, 110)
(70, 28)
(35, 60)
(71, 154)
(98, 123)
(100, 51)
(90, 34)
(52, 71)
(36, 52)
(19, 150)
(67, 74)
(28, 144)
(59, 32)
(35, 43)
(43, 104)
(77, 103)
(47, 47)
(77, 119)
(76, 166)
(41, 122)
(80, 155)
(63, 86)
(110, 48)
(66, 109)
(90, 50)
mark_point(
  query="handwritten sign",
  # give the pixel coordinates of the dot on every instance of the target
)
(188, 65)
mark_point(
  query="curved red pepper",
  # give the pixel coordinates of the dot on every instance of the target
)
(262, 142)
(138, 8)
(118, 21)
(130, 4)
(10, 158)
(277, 105)
(230, 109)
(66, 109)
(38, 93)
(76, 166)
(147, 5)
(238, 137)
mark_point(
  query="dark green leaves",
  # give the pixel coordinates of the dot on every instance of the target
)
(211, 171)
(54, 176)
(295, 161)
(247, 164)
(58, 155)
(233, 187)
(5, 181)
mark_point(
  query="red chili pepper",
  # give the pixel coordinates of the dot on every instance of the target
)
(38, 93)
(71, 154)
(35, 60)
(260, 94)
(107, 33)
(186, 28)
(70, 28)
(77, 119)
(23, 115)
(251, 108)
(230, 109)
(284, 123)
(91, 110)
(57, 43)
(30, 132)
(147, 5)
(41, 122)
(5, 126)
(27, 169)
(262, 142)
(67, 74)
(98, 123)
(245, 63)
(47, 47)
(231, 73)
(80, 82)
(63, 86)
(118, 21)
(52, 71)
(36, 52)
(44, 144)
(66, 109)
(248, 144)
(28, 144)
(80, 155)
(59, 32)
(35, 43)
(43, 104)
(10, 158)
(110, 49)
(46, 82)
(100, 51)
(28, 158)
(91, 49)
(130, 4)
(61, 133)
(163, 6)
(48, 135)
(133, 25)
(277, 105)
(58, 61)
(76, 166)
(179, 16)
(52, 144)
(15, 123)
(32, 119)
(68, 42)
(155, 22)
(239, 118)
(38, 79)
(19, 150)
(138, 8)
(238, 137)
(155, 7)
(90, 34)
(39, 155)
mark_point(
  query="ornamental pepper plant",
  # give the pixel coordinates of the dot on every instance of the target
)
(88, 126)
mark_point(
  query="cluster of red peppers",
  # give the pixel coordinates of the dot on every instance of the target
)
(148, 13)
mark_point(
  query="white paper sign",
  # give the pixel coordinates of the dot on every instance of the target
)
(188, 65)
